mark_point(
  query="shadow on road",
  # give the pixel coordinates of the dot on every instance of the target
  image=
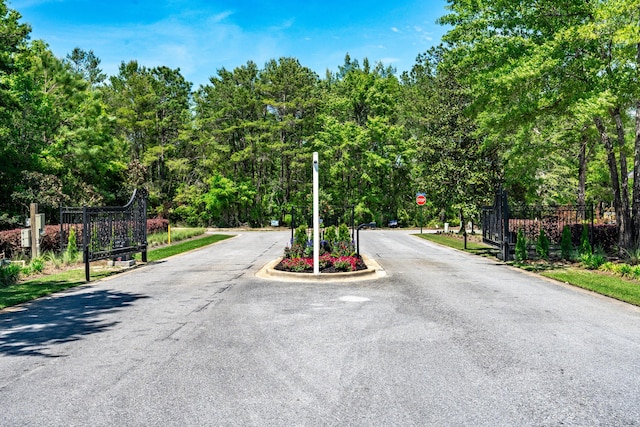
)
(67, 318)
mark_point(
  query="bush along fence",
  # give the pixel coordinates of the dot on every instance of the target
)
(516, 229)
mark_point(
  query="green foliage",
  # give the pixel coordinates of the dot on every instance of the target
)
(330, 235)
(35, 266)
(566, 247)
(344, 235)
(593, 260)
(9, 274)
(585, 246)
(542, 245)
(521, 246)
(300, 236)
(72, 245)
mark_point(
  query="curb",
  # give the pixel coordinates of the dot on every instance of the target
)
(374, 271)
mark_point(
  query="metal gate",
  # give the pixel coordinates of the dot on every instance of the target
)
(107, 232)
(495, 224)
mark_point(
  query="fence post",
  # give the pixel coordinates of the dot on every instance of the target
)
(85, 242)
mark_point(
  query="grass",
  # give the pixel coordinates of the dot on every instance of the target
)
(36, 288)
(602, 283)
(45, 285)
(455, 242)
(178, 248)
(177, 234)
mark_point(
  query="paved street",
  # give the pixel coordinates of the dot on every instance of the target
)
(445, 338)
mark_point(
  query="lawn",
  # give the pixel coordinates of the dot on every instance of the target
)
(45, 285)
(457, 242)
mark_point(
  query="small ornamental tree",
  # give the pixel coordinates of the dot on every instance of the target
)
(542, 245)
(343, 233)
(72, 246)
(565, 243)
(521, 246)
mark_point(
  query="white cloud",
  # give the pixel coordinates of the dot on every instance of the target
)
(395, 30)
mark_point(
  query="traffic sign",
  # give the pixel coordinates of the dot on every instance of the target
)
(421, 199)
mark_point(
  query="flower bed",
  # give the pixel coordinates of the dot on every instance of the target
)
(328, 264)
(337, 252)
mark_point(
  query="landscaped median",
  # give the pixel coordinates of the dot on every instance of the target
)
(601, 282)
(373, 271)
(47, 284)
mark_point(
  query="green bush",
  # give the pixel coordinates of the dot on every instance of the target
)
(330, 236)
(300, 236)
(35, 266)
(9, 274)
(542, 246)
(595, 261)
(343, 233)
(566, 248)
(585, 246)
(521, 246)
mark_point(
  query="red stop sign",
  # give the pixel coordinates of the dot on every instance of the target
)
(421, 199)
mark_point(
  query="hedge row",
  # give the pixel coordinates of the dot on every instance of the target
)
(50, 240)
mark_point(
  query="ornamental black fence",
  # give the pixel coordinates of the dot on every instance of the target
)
(107, 232)
(502, 222)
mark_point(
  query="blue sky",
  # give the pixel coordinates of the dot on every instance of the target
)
(200, 36)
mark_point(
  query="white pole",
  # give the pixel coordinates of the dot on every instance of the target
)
(316, 217)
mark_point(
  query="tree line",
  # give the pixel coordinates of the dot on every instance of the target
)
(538, 96)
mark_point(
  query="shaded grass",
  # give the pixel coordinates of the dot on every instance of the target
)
(458, 243)
(42, 286)
(602, 283)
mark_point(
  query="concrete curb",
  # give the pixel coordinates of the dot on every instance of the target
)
(374, 271)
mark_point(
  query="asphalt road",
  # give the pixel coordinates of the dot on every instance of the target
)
(445, 338)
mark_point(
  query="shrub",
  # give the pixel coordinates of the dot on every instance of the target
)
(566, 247)
(343, 233)
(603, 235)
(35, 266)
(345, 263)
(521, 246)
(542, 245)
(330, 236)
(300, 236)
(72, 244)
(9, 274)
(593, 261)
(157, 225)
(625, 270)
(608, 266)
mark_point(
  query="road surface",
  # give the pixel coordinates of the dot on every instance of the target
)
(446, 338)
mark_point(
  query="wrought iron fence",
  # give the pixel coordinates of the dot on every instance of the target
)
(107, 232)
(552, 219)
(502, 221)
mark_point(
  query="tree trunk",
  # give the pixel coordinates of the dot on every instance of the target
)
(627, 233)
(636, 177)
(615, 182)
(635, 213)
